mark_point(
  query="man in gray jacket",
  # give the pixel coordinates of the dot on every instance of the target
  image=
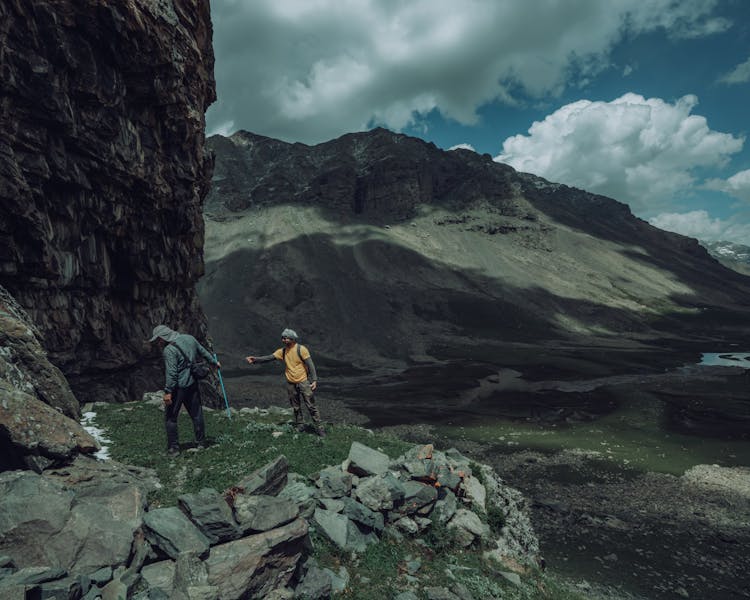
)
(180, 351)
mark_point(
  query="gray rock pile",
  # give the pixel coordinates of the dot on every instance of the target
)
(84, 531)
(369, 496)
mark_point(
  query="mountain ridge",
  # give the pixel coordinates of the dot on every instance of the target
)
(438, 247)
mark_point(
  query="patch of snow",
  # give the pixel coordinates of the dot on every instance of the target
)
(87, 421)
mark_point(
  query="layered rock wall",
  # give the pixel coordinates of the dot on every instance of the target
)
(102, 178)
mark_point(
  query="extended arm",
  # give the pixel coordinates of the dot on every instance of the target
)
(260, 359)
(207, 355)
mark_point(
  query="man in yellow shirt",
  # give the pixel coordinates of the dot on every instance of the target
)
(302, 380)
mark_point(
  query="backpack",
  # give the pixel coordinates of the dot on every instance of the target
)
(198, 369)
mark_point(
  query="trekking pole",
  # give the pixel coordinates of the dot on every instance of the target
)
(223, 391)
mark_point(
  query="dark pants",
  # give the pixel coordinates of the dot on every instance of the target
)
(297, 393)
(190, 397)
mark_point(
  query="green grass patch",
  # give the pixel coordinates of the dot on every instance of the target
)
(237, 447)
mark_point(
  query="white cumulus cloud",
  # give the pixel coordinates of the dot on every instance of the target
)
(637, 150)
(740, 74)
(738, 185)
(699, 224)
(315, 69)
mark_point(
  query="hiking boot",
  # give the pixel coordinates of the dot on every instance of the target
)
(299, 427)
(321, 432)
(173, 451)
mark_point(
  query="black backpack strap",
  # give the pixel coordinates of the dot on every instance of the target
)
(185, 356)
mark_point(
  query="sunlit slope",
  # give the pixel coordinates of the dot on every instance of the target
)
(418, 261)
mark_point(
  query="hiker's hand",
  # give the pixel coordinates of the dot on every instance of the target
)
(217, 365)
(313, 385)
(167, 398)
(250, 359)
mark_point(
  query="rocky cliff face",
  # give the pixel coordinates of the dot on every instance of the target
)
(102, 178)
(386, 246)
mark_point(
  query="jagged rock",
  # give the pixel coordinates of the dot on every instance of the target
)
(315, 585)
(333, 504)
(169, 530)
(475, 493)
(339, 581)
(269, 480)
(255, 565)
(23, 361)
(78, 528)
(121, 585)
(262, 513)
(406, 596)
(191, 579)
(342, 531)
(334, 483)
(101, 576)
(379, 493)
(211, 514)
(301, 494)
(361, 514)
(445, 507)
(67, 587)
(416, 496)
(468, 527)
(31, 430)
(103, 152)
(160, 575)
(35, 575)
(365, 461)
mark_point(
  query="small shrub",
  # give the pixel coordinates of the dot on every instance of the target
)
(495, 519)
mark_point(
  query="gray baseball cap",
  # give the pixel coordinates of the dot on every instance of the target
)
(290, 333)
(165, 333)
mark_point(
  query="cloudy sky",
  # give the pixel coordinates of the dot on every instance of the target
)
(641, 100)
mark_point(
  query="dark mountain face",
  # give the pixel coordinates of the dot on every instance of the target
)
(382, 247)
(102, 179)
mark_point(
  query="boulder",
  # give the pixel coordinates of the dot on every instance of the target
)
(24, 365)
(253, 566)
(379, 493)
(262, 513)
(211, 514)
(171, 532)
(31, 429)
(468, 527)
(364, 461)
(343, 532)
(269, 480)
(334, 483)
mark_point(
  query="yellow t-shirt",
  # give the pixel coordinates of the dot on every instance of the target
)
(296, 371)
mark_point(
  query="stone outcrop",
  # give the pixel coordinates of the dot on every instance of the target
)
(102, 179)
(23, 362)
(37, 407)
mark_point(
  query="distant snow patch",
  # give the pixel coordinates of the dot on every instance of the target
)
(87, 421)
